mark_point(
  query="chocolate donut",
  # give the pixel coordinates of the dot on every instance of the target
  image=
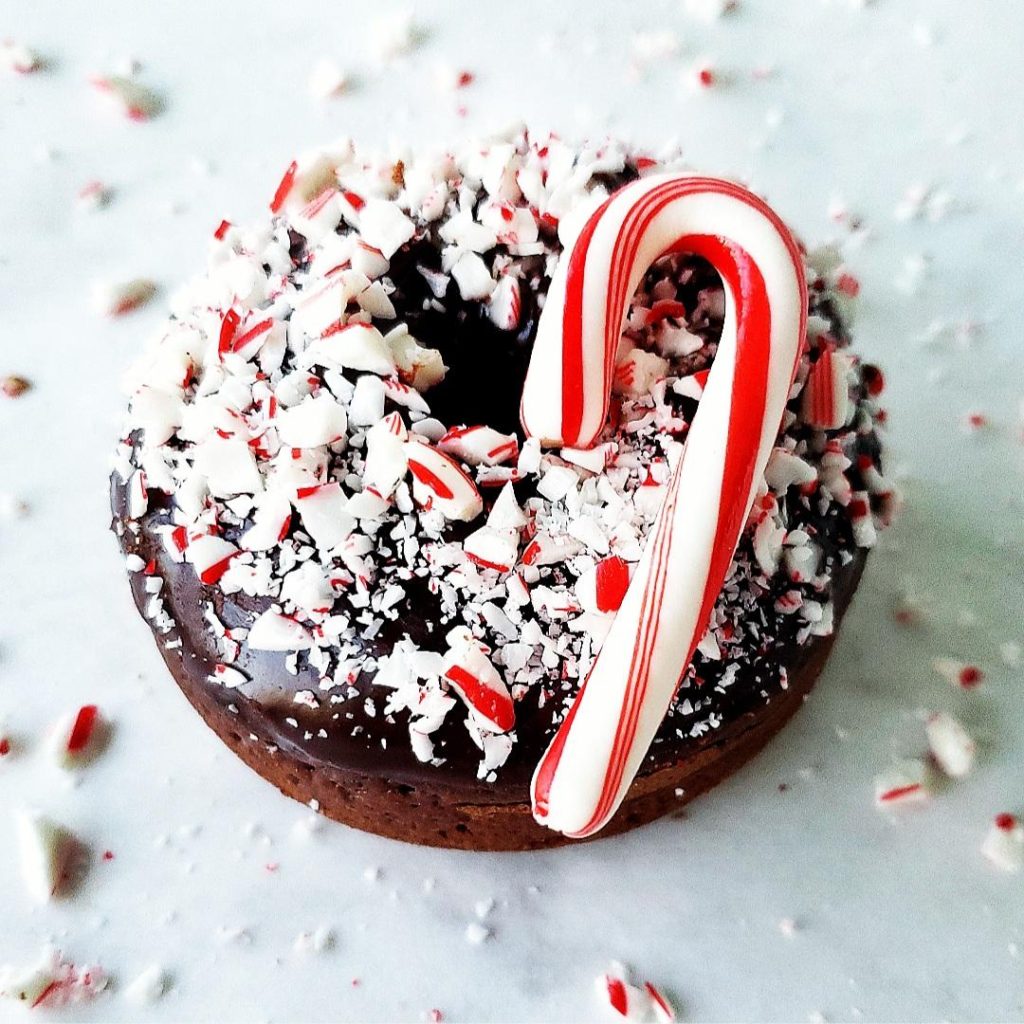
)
(372, 585)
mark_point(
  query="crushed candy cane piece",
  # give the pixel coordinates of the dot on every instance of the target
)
(664, 1012)
(136, 101)
(46, 850)
(316, 420)
(273, 631)
(19, 58)
(51, 982)
(480, 445)
(703, 75)
(950, 744)
(786, 469)
(473, 278)
(493, 549)
(383, 226)
(148, 987)
(505, 513)
(905, 782)
(637, 372)
(322, 509)
(271, 522)
(354, 346)
(387, 460)
(211, 556)
(546, 549)
(505, 304)
(1011, 653)
(631, 1002)
(440, 483)
(622, 998)
(119, 298)
(826, 397)
(958, 673)
(327, 80)
(1004, 843)
(320, 940)
(602, 588)
(394, 35)
(76, 737)
(472, 675)
(228, 677)
(476, 933)
(709, 10)
(94, 195)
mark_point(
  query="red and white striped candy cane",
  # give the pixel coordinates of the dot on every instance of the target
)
(585, 773)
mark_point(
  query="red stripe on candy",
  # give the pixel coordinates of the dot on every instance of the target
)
(492, 705)
(228, 326)
(213, 573)
(284, 188)
(898, 792)
(430, 479)
(572, 339)
(611, 583)
(254, 332)
(356, 201)
(81, 731)
(617, 998)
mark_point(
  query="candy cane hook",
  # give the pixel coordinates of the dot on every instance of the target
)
(593, 758)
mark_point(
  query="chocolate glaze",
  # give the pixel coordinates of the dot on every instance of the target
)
(381, 749)
(484, 382)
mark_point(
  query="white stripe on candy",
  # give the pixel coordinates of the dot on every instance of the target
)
(590, 764)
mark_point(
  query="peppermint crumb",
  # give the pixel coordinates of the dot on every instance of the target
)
(14, 387)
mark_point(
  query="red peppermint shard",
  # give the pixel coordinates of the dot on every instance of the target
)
(82, 729)
(228, 327)
(612, 583)
(284, 188)
(472, 675)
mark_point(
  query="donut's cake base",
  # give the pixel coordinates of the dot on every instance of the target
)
(496, 816)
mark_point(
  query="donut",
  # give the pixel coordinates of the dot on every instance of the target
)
(415, 486)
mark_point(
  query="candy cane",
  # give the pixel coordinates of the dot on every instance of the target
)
(586, 771)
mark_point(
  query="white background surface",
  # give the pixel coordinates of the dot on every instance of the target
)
(897, 919)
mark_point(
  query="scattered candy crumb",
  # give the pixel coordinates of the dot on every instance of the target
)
(148, 987)
(1004, 843)
(13, 386)
(950, 744)
(320, 940)
(51, 982)
(327, 80)
(133, 99)
(94, 195)
(633, 1002)
(905, 782)
(46, 852)
(76, 738)
(958, 673)
(119, 298)
(19, 58)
